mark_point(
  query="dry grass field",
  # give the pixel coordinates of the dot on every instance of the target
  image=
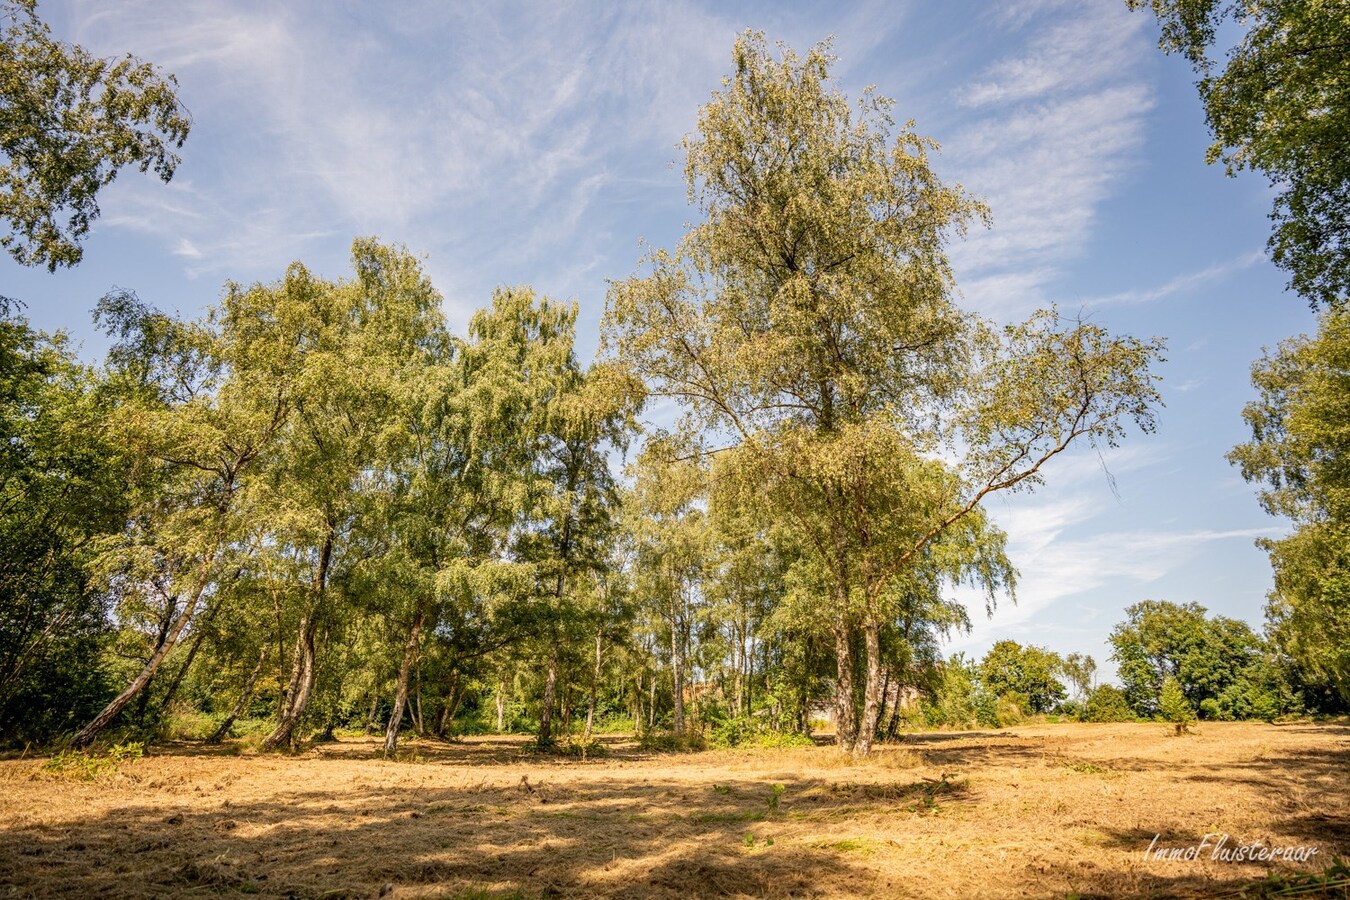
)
(1039, 811)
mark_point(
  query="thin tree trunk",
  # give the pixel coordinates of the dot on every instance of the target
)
(637, 707)
(401, 684)
(677, 673)
(296, 695)
(550, 696)
(567, 710)
(183, 669)
(165, 623)
(651, 705)
(370, 716)
(247, 694)
(895, 712)
(740, 663)
(456, 697)
(749, 655)
(871, 690)
(302, 684)
(845, 714)
(595, 686)
(86, 735)
(501, 706)
(885, 695)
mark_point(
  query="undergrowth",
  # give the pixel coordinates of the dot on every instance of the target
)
(80, 765)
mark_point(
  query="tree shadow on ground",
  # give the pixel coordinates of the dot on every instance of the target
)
(612, 836)
(1309, 783)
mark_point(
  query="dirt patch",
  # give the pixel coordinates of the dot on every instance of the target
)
(1052, 810)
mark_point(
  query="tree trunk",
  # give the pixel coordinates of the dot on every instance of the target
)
(737, 668)
(749, 654)
(637, 707)
(296, 697)
(885, 695)
(895, 711)
(183, 669)
(845, 714)
(165, 624)
(302, 678)
(86, 735)
(651, 705)
(370, 715)
(501, 706)
(871, 691)
(401, 684)
(595, 686)
(456, 694)
(550, 696)
(677, 673)
(567, 710)
(219, 734)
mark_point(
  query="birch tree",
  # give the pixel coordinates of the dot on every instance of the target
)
(809, 321)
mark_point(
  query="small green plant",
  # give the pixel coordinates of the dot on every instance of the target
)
(1174, 707)
(775, 795)
(1333, 881)
(748, 840)
(76, 765)
(721, 789)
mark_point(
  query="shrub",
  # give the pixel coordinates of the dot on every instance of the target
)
(75, 765)
(1107, 703)
(1174, 707)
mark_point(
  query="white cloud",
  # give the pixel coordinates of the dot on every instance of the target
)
(1184, 283)
(1054, 127)
(1054, 568)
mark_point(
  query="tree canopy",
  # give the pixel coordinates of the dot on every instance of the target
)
(69, 123)
(1279, 105)
(1299, 453)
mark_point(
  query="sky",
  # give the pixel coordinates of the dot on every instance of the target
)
(519, 143)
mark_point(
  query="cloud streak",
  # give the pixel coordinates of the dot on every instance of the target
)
(1054, 127)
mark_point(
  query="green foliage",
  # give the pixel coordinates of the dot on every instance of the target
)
(1107, 703)
(69, 122)
(1030, 673)
(1160, 639)
(1280, 106)
(63, 495)
(748, 733)
(1300, 455)
(1331, 882)
(961, 700)
(1173, 705)
(76, 765)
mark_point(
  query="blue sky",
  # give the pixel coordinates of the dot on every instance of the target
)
(532, 143)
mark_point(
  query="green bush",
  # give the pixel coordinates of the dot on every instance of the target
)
(1010, 709)
(1107, 703)
(1173, 705)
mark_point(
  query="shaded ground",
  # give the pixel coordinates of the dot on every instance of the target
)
(1042, 811)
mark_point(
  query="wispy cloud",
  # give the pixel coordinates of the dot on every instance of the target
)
(1182, 284)
(1053, 127)
(1054, 568)
(488, 136)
